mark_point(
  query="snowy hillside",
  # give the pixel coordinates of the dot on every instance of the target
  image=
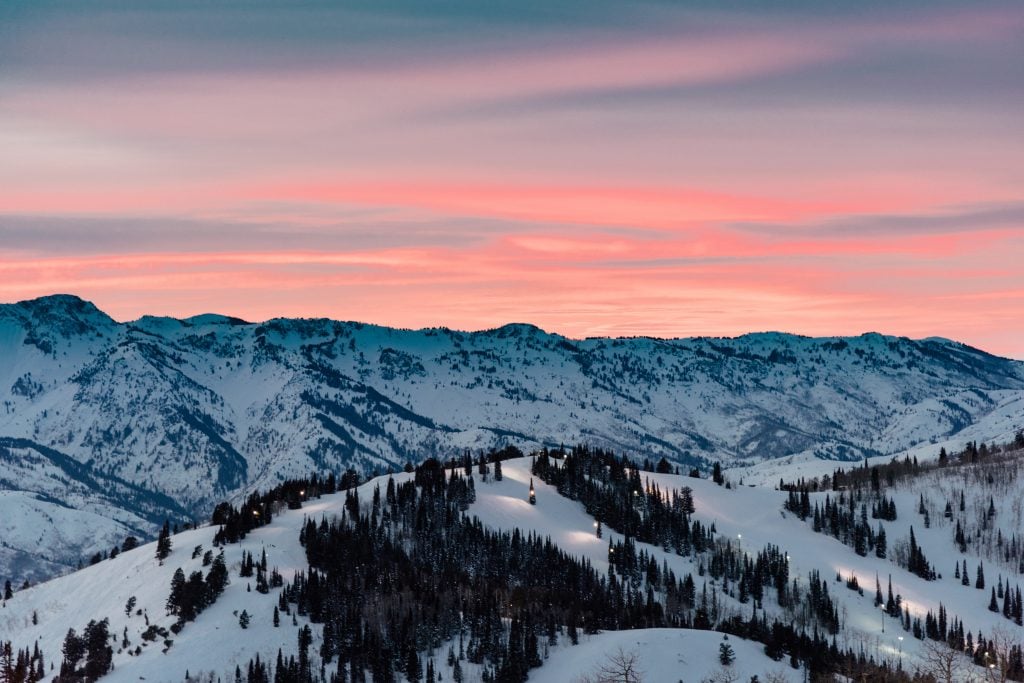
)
(202, 409)
(748, 518)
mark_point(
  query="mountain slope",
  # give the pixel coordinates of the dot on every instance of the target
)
(204, 408)
(55, 510)
(753, 517)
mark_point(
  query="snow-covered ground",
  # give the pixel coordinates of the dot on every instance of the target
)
(662, 655)
(751, 516)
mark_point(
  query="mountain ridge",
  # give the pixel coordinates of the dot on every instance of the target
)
(210, 407)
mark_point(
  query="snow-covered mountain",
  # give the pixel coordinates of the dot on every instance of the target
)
(750, 518)
(160, 413)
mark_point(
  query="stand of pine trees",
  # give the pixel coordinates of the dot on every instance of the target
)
(612, 491)
(259, 508)
(21, 666)
(188, 598)
(93, 646)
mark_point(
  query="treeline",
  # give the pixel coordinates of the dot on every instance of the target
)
(21, 666)
(611, 491)
(259, 508)
(899, 469)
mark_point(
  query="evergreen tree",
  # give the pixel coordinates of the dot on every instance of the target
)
(726, 655)
(243, 619)
(413, 668)
(305, 640)
(163, 542)
(176, 598)
(98, 653)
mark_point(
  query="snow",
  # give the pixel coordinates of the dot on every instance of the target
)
(294, 396)
(215, 642)
(662, 654)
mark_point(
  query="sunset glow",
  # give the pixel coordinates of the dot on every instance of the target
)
(591, 169)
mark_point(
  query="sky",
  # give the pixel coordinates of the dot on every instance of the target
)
(589, 166)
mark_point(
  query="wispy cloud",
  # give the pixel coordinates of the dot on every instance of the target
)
(941, 221)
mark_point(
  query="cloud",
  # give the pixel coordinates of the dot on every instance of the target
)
(259, 227)
(945, 221)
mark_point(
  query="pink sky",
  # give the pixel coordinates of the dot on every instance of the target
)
(676, 174)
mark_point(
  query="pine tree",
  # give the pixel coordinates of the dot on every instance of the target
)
(163, 543)
(413, 668)
(726, 655)
(497, 469)
(98, 653)
(979, 582)
(176, 598)
(8, 592)
(277, 617)
(305, 640)
(243, 619)
(880, 542)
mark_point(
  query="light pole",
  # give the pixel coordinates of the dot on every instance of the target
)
(900, 638)
(882, 608)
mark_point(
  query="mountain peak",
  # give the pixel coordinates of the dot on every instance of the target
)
(71, 313)
(515, 330)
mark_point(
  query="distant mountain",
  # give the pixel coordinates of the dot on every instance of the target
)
(161, 413)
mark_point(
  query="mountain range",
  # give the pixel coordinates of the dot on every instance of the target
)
(107, 428)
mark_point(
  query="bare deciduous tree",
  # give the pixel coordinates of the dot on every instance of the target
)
(997, 661)
(723, 675)
(620, 667)
(942, 662)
